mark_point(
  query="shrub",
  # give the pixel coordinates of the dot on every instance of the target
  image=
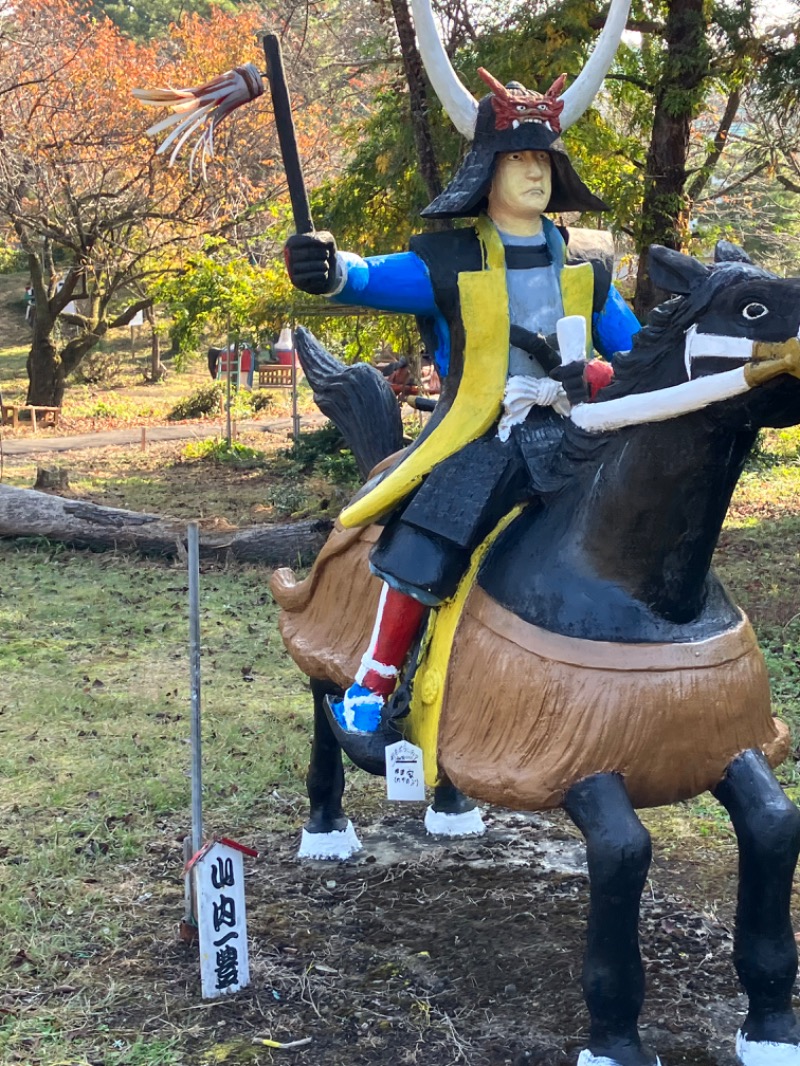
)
(11, 260)
(262, 400)
(310, 471)
(341, 468)
(323, 452)
(310, 447)
(100, 367)
(217, 450)
(288, 500)
(202, 403)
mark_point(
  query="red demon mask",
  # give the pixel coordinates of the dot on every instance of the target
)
(515, 105)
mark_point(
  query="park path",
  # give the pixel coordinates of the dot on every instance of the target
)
(121, 437)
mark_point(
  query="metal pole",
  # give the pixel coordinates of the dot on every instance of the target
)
(194, 667)
(228, 391)
(295, 415)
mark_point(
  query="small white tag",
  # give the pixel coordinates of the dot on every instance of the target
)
(405, 779)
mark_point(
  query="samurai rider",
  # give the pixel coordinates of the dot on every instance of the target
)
(487, 299)
(491, 293)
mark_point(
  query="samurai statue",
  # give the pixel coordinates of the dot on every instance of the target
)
(487, 298)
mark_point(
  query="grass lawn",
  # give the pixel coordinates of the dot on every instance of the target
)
(94, 715)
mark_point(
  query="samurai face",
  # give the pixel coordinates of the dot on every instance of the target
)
(513, 104)
(521, 187)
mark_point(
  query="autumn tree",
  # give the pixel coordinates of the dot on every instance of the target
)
(78, 181)
(97, 212)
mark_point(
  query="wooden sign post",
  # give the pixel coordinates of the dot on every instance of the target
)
(217, 872)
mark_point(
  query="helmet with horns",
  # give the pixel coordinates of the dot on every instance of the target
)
(512, 118)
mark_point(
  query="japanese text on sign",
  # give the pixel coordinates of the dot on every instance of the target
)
(219, 880)
(405, 779)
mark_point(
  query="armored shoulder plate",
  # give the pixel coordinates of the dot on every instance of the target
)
(595, 246)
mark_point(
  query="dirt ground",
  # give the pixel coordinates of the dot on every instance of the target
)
(421, 952)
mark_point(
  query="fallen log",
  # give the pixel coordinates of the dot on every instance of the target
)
(80, 524)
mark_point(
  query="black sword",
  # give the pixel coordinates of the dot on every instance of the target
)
(287, 137)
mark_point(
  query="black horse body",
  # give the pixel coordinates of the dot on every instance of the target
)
(617, 549)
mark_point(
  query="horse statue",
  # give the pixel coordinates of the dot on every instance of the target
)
(591, 660)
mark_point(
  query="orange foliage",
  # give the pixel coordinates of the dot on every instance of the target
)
(78, 168)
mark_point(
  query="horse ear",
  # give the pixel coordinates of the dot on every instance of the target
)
(726, 252)
(673, 271)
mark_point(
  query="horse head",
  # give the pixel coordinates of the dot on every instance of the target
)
(724, 316)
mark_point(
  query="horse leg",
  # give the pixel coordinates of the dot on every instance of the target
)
(618, 853)
(328, 833)
(767, 826)
(452, 814)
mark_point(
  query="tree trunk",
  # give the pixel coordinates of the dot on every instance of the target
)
(46, 378)
(28, 513)
(418, 98)
(665, 208)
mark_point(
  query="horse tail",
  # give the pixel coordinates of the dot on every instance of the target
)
(357, 399)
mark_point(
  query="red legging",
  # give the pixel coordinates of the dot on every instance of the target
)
(395, 627)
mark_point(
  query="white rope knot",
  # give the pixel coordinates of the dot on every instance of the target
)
(522, 393)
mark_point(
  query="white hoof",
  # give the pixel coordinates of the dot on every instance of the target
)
(340, 844)
(765, 1052)
(468, 824)
(586, 1058)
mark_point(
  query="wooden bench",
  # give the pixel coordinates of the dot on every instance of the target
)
(9, 414)
(274, 376)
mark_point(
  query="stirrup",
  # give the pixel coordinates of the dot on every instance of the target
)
(366, 750)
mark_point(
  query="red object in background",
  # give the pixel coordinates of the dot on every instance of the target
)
(245, 361)
(284, 348)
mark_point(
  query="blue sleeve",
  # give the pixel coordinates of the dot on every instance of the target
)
(396, 283)
(615, 326)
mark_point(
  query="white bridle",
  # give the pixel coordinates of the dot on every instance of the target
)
(663, 404)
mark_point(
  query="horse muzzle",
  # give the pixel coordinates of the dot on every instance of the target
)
(762, 360)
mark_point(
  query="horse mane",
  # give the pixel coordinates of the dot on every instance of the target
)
(654, 362)
(648, 366)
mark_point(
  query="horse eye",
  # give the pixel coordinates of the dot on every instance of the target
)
(754, 310)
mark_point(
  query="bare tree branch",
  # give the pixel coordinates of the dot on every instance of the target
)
(718, 146)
